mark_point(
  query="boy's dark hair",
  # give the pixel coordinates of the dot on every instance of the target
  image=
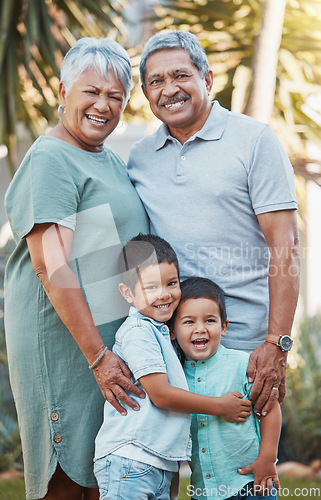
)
(204, 288)
(141, 251)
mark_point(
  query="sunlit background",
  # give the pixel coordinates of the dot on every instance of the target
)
(266, 59)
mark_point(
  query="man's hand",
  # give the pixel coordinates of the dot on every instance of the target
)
(267, 369)
(234, 408)
(114, 378)
(264, 475)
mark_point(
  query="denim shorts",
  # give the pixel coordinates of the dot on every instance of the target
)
(121, 478)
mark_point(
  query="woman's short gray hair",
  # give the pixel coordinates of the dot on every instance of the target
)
(102, 54)
(175, 39)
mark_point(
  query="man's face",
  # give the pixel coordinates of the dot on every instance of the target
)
(177, 94)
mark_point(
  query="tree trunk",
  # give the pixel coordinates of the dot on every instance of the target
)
(261, 97)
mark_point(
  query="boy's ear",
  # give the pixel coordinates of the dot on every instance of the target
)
(224, 328)
(171, 330)
(126, 292)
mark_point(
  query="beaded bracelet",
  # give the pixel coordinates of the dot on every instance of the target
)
(101, 355)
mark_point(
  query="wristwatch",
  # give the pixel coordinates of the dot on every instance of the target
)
(283, 341)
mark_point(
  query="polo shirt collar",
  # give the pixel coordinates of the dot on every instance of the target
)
(212, 129)
(209, 361)
(133, 312)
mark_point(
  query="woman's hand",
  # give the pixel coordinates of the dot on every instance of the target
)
(114, 378)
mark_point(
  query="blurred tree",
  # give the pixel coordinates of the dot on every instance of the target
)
(233, 35)
(34, 36)
(302, 407)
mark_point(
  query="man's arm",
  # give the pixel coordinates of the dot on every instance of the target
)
(263, 467)
(231, 406)
(267, 365)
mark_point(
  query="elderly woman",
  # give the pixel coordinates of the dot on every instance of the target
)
(71, 206)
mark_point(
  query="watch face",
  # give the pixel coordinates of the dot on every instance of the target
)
(286, 342)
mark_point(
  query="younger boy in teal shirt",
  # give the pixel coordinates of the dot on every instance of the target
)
(229, 461)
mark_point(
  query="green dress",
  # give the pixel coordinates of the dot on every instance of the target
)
(59, 404)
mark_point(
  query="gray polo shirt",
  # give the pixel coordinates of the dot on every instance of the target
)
(204, 196)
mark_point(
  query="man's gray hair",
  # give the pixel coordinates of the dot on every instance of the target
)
(102, 54)
(175, 39)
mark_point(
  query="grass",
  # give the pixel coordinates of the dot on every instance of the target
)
(298, 489)
(12, 490)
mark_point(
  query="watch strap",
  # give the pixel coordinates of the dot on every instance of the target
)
(273, 339)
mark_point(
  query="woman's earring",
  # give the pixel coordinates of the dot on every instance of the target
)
(61, 110)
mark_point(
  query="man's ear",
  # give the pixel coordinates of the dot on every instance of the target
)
(224, 328)
(144, 91)
(209, 80)
(126, 292)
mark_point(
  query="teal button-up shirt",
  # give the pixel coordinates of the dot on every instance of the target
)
(220, 447)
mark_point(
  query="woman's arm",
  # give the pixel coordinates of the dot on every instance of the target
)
(231, 406)
(263, 467)
(49, 247)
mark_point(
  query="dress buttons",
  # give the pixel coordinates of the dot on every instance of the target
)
(199, 379)
(183, 157)
(164, 328)
(123, 476)
(208, 476)
(54, 417)
(193, 364)
(202, 424)
(57, 438)
(203, 450)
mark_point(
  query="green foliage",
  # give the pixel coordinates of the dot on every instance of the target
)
(302, 407)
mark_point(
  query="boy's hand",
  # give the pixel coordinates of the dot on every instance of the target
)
(234, 408)
(264, 473)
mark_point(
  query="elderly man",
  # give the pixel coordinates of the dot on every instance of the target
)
(220, 188)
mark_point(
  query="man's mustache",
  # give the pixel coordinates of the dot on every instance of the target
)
(173, 99)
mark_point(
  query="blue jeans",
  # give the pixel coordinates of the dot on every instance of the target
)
(121, 478)
(247, 492)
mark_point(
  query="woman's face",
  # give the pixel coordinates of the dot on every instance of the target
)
(92, 108)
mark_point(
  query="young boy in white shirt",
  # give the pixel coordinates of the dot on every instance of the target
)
(136, 455)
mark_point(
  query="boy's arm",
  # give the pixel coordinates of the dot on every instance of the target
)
(231, 406)
(263, 467)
